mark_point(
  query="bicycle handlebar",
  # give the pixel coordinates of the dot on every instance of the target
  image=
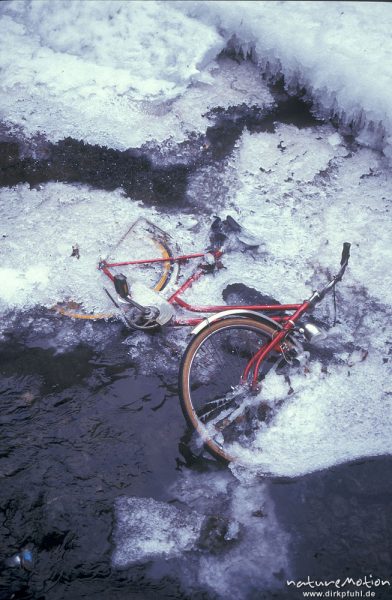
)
(318, 296)
(345, 253)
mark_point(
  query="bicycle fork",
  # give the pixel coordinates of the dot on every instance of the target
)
(276, 343)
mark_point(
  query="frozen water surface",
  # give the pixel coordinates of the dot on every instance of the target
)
(322, 412)
(126, 74)
(94, 77)
(223, 517)
(147, 528)
(131, 58)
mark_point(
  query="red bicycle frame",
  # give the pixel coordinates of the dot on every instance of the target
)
(175, 298)
(288, 321)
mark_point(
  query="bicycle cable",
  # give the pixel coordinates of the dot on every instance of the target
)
(334, 307)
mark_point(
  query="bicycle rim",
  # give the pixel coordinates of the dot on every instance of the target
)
(159, 278)
(215, 403)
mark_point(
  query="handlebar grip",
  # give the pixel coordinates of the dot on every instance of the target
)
(345, 253)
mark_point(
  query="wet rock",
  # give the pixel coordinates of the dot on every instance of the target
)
(218, 533)
(239, 293)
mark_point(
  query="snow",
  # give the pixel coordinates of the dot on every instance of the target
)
(147, 528)
(315, 196)
(339, 52)
(311, 429)
(117, 62)
(99, 67)
(73, 215)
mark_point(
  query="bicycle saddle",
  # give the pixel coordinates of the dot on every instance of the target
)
(229, 228)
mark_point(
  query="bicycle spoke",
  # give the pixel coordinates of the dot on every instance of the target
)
(218, 404)
(215, 354)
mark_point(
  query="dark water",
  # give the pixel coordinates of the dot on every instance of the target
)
(80, 428)
(83, 425)
(159, 175)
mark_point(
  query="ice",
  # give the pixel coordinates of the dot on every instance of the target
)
(313, 196)
(338, 52)
(29, 250)
(40, 228)
(226, 540)
(100, 68)
(147, 528)
(252, 552)
(329, 419)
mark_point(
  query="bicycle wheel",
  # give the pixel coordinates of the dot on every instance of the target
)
(156, 275)
(221, 409)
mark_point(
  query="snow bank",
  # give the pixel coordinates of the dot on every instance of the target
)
(339, 52)
(105, 72)
(329, 418)
(111, 72)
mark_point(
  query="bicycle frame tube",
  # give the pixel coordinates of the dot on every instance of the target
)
(105, 266)
(261, 354)
(175, 299)
(148, 261)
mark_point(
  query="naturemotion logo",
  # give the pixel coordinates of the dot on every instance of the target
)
(349, 587)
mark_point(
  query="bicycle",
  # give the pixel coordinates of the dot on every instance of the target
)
(246, 343)
(141, 236)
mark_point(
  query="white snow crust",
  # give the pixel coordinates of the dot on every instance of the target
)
(117, 63)
(340, 53)
(147, 528)
(314, 424)
(106, 72)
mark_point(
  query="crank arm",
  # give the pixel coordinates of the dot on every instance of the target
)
(123, 317)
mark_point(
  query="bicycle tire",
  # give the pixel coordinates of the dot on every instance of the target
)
(74, 310)
(232, 340)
